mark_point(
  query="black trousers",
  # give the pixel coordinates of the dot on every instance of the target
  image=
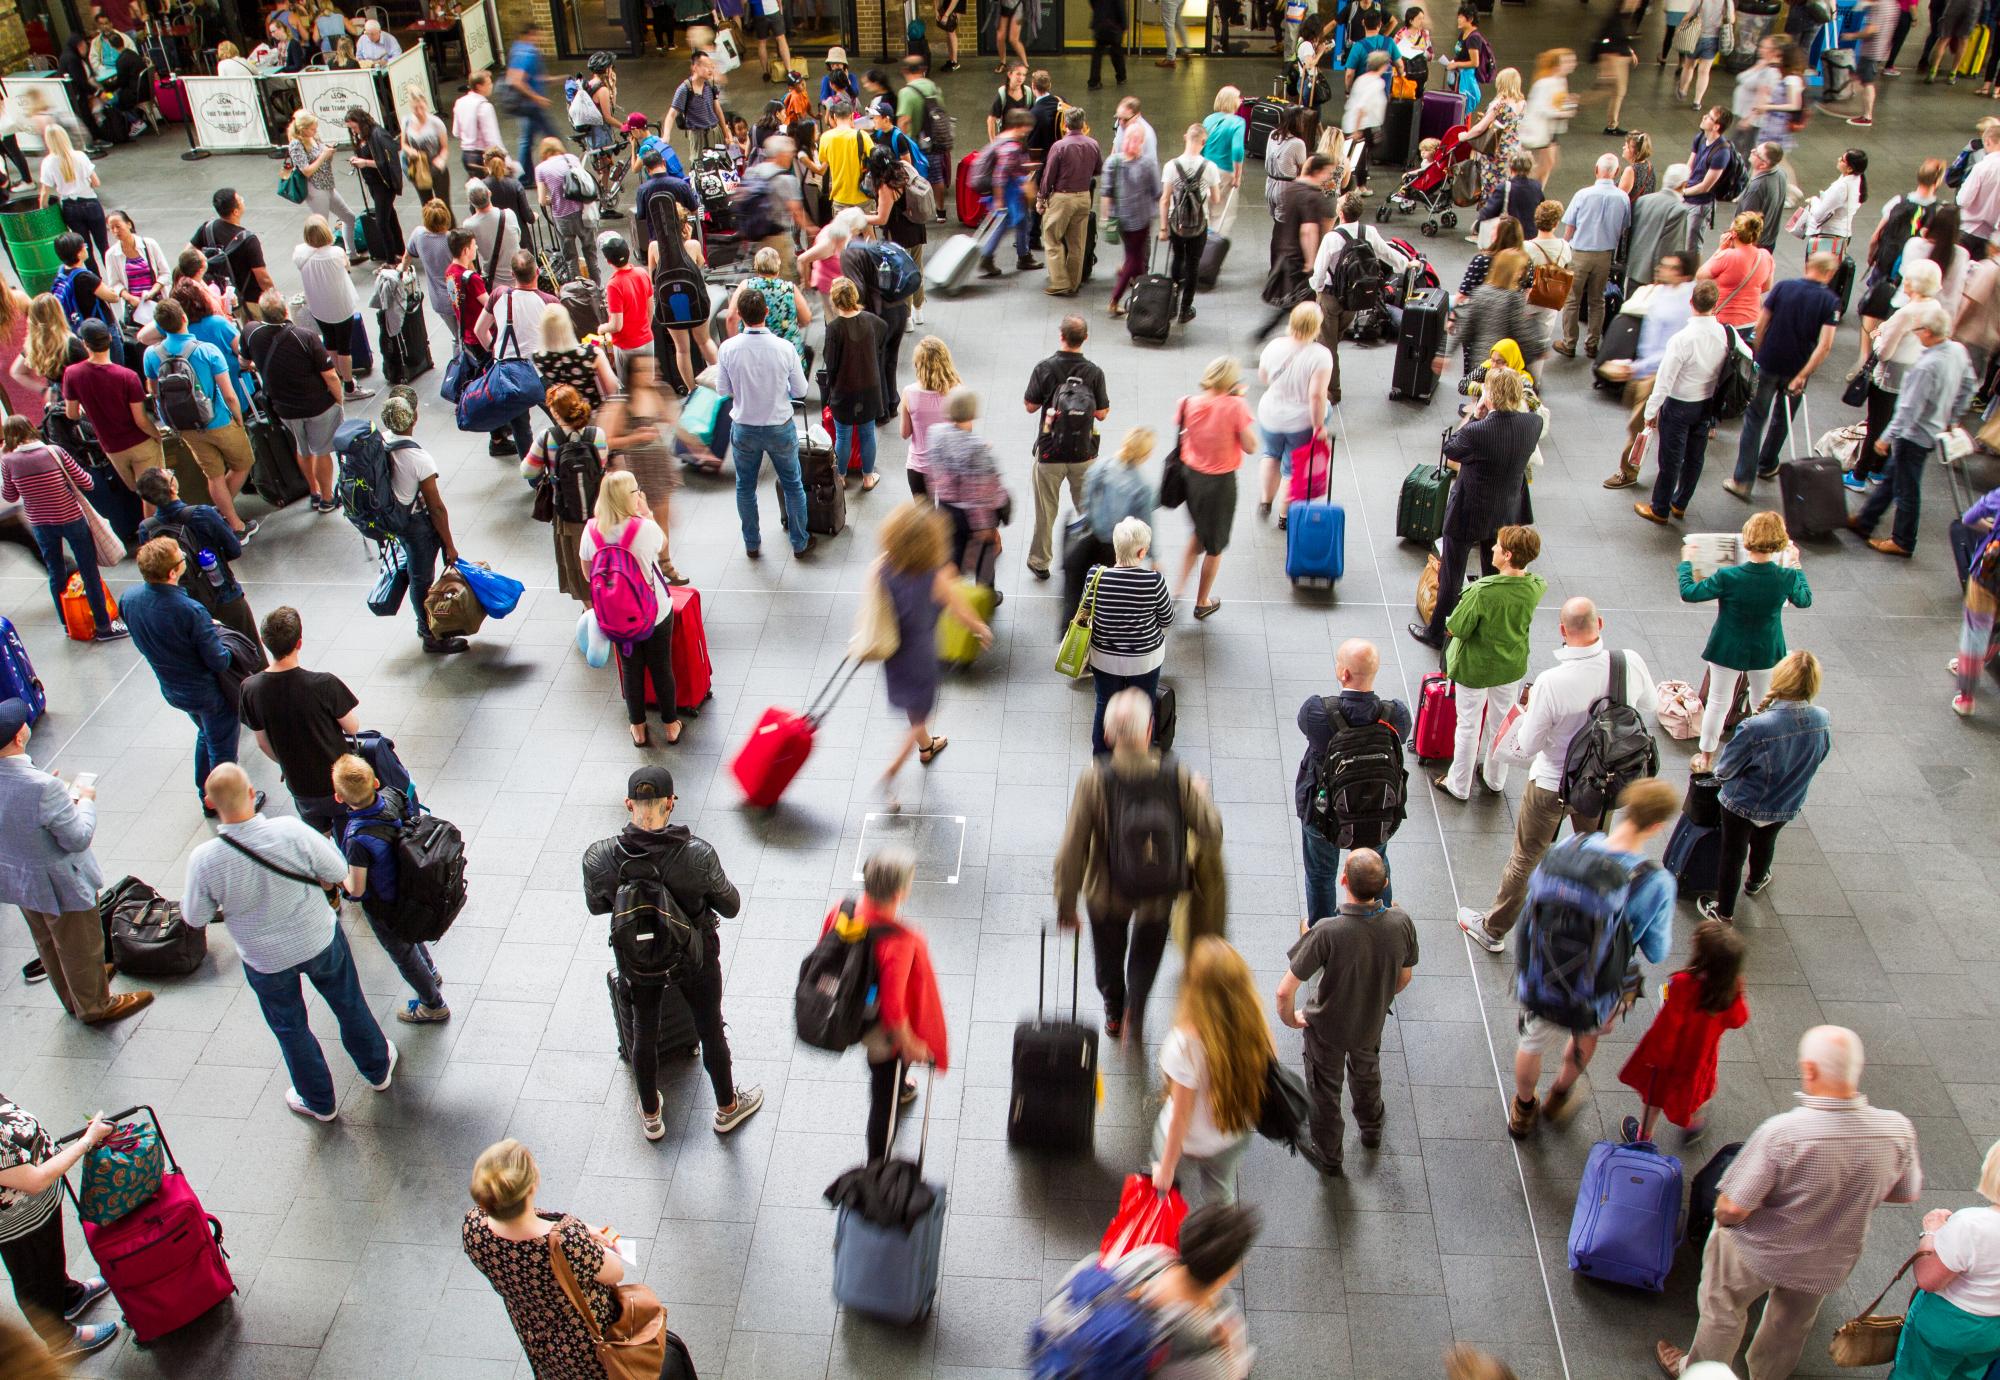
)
(383, 203)
(896, 316)
(885, 1085)
(11, 147)
(655, 655)
(39, 1269)
(1104, 39)
(1184, 262)
(1742, 839)
(1881, 408)
(1903, 21)
(1328, 1067)
(1125, 973)
(1931, 37)
(1454, 554)
(704, 998)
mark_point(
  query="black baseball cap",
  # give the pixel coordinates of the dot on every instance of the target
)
(650, 783)
(95, 335)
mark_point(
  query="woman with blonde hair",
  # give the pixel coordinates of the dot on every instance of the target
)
(71, 179)
(565, 359)
(24, 395)
(1548, 110)
(1765, 772)
(1216, 431)
(1748, 638)
(1639, 178)
(623, 518)
(426, 147)
(507, 1239)
(330, 297)
(1214, 1064)
(1952, 1329)
(50, 348)
(1296, 371)
(1743, 271)
(923, 405)
(312, 158)
(920, 582)
(1503, 120)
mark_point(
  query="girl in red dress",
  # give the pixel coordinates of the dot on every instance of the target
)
(1673, 1068)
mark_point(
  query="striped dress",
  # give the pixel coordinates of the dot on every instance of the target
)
(1128, 624)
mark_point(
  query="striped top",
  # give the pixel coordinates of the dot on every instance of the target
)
(277, 923)
(1128, 624)
(39, 478)
(1811, 1178)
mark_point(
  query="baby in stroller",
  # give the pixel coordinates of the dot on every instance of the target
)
(1427, 188)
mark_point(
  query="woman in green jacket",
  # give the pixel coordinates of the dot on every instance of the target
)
(1487, 657)
(1749, 634)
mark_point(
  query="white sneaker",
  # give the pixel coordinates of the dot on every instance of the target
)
(298, 1104)
(1473, 922)
(917, 316)
(390, 1073)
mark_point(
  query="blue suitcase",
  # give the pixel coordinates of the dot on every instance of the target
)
(18, 680)
(1694, 857)
(1628, 1215)
(1316, 535)
(362, 353)
(891, 1272)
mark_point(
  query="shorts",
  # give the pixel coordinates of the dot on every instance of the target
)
(1542, 1036)
(1866, 69)
(338, 336)
(1707, 47)
(1956, 26)
(1281, 444)
(132, 463)
(764, 25)
(1211, 505)
(219, 449)
(314, 435)
(949, 22)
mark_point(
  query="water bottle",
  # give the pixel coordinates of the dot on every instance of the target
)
(210, 566)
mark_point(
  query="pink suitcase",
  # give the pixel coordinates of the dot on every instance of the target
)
(1437, 718)
(171, 97)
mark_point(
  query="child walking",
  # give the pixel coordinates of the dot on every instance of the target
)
(1673, 1068)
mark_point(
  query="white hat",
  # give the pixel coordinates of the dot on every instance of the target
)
(836, 54)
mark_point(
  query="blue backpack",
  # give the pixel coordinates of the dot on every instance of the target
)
(64, 288)
(896, 272)
(364, 484)
(1575, 949)
(1093, 1329)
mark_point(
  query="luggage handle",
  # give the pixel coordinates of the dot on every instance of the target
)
(896, 1111)
(829, 694)
(1075, 975)
(1442, 468)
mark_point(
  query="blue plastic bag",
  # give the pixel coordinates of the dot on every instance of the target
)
(496, 593)
(591, 641)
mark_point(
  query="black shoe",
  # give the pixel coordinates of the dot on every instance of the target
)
(1093, 86)
(503, 450)
(1027, 263)
(1038, 574)
(611, 215)
(1371, 1140)
(445, 646)
(1422, 633)
(989, 269)
(1187, 315)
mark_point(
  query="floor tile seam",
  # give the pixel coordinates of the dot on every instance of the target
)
(1465, 946)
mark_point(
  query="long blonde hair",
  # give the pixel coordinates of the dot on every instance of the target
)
(936, 373)
(617, 502)
(914, 538)
(48, 335)
(1795, 678)
(1220, 1006)
(57, 139)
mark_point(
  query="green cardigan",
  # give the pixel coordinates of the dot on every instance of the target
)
(1749, 632)
(1489, 630)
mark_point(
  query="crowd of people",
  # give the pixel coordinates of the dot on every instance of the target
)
(173, 379)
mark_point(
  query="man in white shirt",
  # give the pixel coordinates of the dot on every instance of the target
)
(475, 124)
(1666, 309)
(1558, 709)
(1979, 198)
(1678, 411)
(1335, 318)
(1367, 108)
(269, 880)
(761, 376)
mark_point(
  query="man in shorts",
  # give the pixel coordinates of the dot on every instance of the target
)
(221, 448)
(1954, 27)
(764, 22)
(114, 400)
(1874, 55)
(303, 389)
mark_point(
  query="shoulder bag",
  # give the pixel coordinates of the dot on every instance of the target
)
(1173, 470)
(1549, 286)
(509, 387)
(634, 1347)
(332, 893)
(877, 636)
(1870, 1339)
(1073, 657)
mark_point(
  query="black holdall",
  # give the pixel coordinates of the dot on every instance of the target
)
(146, 934)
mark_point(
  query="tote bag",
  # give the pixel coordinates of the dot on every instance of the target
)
(635, 1347)
(876, 636)
(1073, 657)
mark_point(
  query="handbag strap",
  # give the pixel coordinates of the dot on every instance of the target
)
(566, 1280)
(1086, 607)
(1914, 1255)
(270, 866)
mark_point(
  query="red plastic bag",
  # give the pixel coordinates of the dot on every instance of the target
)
(1145, 1217)
(1312, 469)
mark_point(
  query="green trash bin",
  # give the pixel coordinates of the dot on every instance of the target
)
(43, 223)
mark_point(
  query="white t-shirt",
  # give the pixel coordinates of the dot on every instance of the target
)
(66, 188)
(329, 291)
(1183, 1060)
(1180, 170)
(1970, 1244)
(647, 544)
(1289, 404)
(525, 309)
(409, 466)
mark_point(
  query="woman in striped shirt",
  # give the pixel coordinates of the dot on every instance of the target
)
(47, 484)
(1129, 613)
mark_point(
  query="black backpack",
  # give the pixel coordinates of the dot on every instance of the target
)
(575, 473)
(215, 252)
(1575, 949)
(430, 870)
(938, 130)
(1613, 749)
(193, 578)
(184, 405)
(834, 1003)
(654, 941)
(1359, 279)
(1360, 789)
(1145, 833)
(1738, 381)
(1735, 177)
(1187, 211)
(1069, 422)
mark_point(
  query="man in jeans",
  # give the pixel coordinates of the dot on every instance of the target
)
(762, 378)
(693, 875)
(1935, 392)
(1558, 709)
(1795, 329)
(1680, 410)
(302, 720)
(1059, 461)
(48, 870)
(372, 818)
(1793, 1213)
(198, 529)
(1364, 954)
(1593, 223)
(272, 881)
(1355, 664)
(1198, 188)
(426, 532)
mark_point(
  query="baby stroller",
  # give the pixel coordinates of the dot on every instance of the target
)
(1426, 189)
(715, 182)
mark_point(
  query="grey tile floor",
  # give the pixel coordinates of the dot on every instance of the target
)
(344, 1237)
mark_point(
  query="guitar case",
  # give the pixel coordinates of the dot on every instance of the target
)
(680, 293)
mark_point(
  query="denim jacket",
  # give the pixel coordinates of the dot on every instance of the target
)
(1768, 765)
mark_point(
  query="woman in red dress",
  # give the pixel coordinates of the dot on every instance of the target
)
(1673, 1069)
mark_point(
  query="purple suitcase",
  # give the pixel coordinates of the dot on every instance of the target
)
(1628, 1215)
(1441, 110)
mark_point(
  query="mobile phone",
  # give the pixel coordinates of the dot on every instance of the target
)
(83, 778)
(625, 1250)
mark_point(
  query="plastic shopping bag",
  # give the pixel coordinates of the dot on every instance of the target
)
(496, 593)
(1145, 1217)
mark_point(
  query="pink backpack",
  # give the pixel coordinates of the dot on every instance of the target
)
(621, 594)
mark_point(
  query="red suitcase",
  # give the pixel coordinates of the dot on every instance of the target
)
(782, 741)
(971, 205)
(693, 672)
(164, 1262)
(1437, 718)
(854, 446)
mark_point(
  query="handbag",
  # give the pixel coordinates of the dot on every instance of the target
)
(1402, 89)
(1173, 471)
(1427, 588)
(634, 1347)
(1549, 288)
(1870, 1338)
(508, 388)
(386, 599)
(1856, 391)
(121, 1173)
(104, 542)
(1073, 657)
(1145, 1217)
(451, 607)
(292, 187)
(877, 636)
(591, 641)
(1678, 708)
(1688, 36)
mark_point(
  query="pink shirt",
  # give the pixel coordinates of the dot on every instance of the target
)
(926, 410)
(1743, 274)
(1212, 429)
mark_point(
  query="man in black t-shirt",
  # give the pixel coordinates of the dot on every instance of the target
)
(1057, 461)
(301, 385)
(301, 719)
(1304, 208)
(235, 255)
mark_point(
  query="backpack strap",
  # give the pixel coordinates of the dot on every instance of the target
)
(1617, 691)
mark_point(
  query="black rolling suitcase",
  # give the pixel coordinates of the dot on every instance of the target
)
(1149, 305)
(1263, 118)
(1210, 268)
(1053, 1102)
(1811, 496)
(826, 495)
(677, 1033)
(406, 354)
(274, 459)
(1418, 344)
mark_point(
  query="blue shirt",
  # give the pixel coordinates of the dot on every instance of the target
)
(1703, 159)
(209, 531)
(179, 641)
(1357, 56)
(209, 367)
(527, 59)
(1597, 216)
(218, 330)
(1667, 311)
(371, 848)
(841, 87)
(1800, 309)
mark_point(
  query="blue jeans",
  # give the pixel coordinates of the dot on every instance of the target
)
(215, 731)
(780, 441)
(413, 961)
(284, 1005)
(1323, 873)
(842, 445)
(1109, 684)
(1014, 209)
(534, 126)
(77, 534)
(1683, 431)
(1759, 451)
(1906, 475)
(422, 548)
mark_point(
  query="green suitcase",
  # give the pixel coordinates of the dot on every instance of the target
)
(956, 646)
(1420, 510)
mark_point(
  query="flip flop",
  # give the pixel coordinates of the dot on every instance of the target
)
(929, 754)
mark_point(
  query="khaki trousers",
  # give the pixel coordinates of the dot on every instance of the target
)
(1535, 826)
(71, 946)
(1728, 1287)
(1592, 268)
(1064, 225)
(788, 258)
(1049, 480)
(1637, 391)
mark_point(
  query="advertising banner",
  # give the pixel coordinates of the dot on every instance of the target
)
(42, 93)
(406, 71)
(226, 112)
(329, 96)
(477, 23)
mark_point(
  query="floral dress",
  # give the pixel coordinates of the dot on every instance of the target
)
(781, 310)
(577, 368)
(1507, 121)
(551, 1331)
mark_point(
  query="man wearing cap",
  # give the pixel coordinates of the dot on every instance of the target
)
(652, 847)
(1068, 174)
(48, 870)
(884, 130)
(661, 181)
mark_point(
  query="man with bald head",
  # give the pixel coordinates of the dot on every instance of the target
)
(275, 883)
(1351, 787)
(1793, 1212)
(1558, 708)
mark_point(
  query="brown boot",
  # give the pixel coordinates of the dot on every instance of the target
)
(123, 1005)
(1521, 1118)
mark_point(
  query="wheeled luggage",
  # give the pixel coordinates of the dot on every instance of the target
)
(274, 459)
(146, 934)
(1694, 857)
(1811, 495)
(1628, 1215)
(164, 1262)
(1149, 304)
(1437, 718)
(971, 204)
(694, 673)
(1418, 344)
(950, 266)
(1210, 268)
(360, 351)
(956, 646)
(1702, 805)
(18, 680)
(1316, 542)
(891, 1271)
(1394, 143)
(406, 352)
(1703, 1190)
(1420, 508)
(677, 1033)
(782, 741)
(78, 621)
(171, 98)
(1261, 115)
(826, 496)
(1053, 1101)
(1438, 113)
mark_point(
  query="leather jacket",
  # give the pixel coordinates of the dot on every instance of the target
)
(693, 872)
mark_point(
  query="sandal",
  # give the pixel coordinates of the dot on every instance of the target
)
(929, 754)
(641, 737)
(870, 481)
(674, 731)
